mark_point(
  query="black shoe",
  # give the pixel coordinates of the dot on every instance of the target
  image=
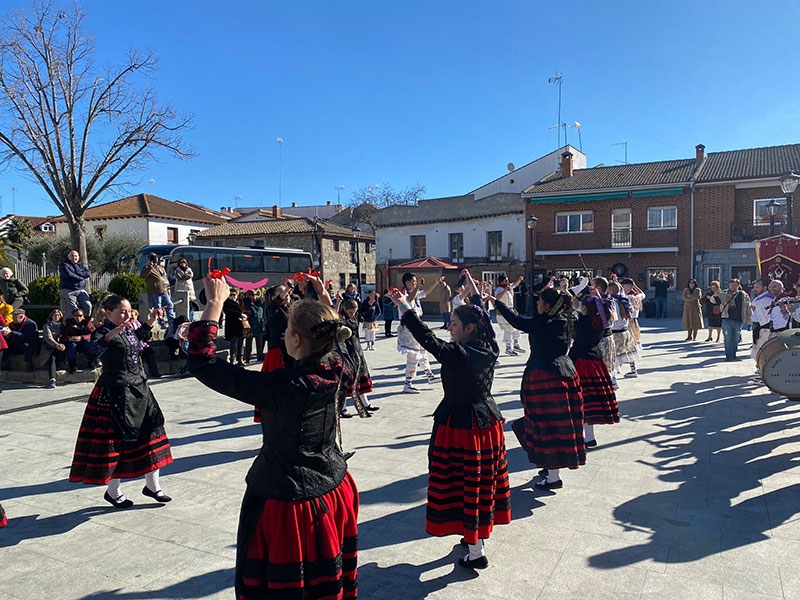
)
(478, 563)
(158, 496)
(543, 473)
(117, 504)
(549, 485)
(591, 443)
(372, 408)
(346, 415)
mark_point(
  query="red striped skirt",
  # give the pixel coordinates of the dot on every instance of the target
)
(468, 490)
(364, 381)
(299, 550)
(599, 399)
(3, 518)
(101, 454)
(272, 360)
(553, 419)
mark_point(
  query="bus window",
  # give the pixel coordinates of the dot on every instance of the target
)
(192, 257)
(248, 263)
(222, 259)
(299, 263)
(277, 264)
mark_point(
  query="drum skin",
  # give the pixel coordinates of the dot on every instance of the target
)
(780, 368)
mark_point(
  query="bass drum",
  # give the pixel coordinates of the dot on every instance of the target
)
(779, 366)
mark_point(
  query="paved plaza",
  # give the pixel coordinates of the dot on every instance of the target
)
(694, 495)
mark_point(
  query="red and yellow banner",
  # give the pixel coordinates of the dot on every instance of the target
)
(779, 258)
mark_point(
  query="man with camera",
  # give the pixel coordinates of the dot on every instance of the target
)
(157, 288)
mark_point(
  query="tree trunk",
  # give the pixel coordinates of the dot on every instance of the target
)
(77, 234)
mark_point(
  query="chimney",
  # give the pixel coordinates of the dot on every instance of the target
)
(566, 164)
(294, 204)
(276, 212)
(329, 202)
(700, 152)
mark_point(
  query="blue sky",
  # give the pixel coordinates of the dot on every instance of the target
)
(441, 93)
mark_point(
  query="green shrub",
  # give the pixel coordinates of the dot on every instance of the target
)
(127, 285)
(45, 290)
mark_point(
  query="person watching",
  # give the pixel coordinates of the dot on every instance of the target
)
(77, 334)
(73, 274)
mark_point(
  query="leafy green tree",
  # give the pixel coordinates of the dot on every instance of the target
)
(127, 285)
(77, 128)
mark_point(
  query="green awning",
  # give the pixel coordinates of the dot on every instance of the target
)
(645, 193)
(582, 197)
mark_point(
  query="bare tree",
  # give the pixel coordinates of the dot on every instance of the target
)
(75, 128)
(365, 202)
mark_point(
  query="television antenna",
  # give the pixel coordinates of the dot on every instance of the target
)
(558, 79)
(279, 141)
(624, 144)
(559, 126)
(577, 127)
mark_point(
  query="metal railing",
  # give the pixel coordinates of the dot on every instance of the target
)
(608, 239)
(747, 231)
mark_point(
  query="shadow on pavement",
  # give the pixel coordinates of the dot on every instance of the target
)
(717, 445)
(199, 586)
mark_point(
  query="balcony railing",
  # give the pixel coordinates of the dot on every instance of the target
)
(747, 231)
(611, 240)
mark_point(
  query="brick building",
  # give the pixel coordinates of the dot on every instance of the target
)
(685, 218)
(334, 249)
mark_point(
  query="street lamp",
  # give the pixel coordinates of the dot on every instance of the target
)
(772, 209)
(531, 224)
(357, 235)
(192, 237)
(789, 185)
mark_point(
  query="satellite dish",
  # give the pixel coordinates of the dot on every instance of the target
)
(510, 167)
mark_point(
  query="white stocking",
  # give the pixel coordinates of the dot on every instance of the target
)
(115, 489)
(151, 480)
(475, 550)
(552, 475)
(588, 432)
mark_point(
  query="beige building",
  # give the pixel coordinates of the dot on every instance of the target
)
(340, 253)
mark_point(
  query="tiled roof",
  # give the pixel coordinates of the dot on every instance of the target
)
(455, 208)
(146, 205)
(275, 227)
(668, 172)
(751, 163)
(429, 262)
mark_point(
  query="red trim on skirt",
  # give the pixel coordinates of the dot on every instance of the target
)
(299, 549)
(273, 360)
(468, 489)
(553, 419)
(101, 455)
(599, 399)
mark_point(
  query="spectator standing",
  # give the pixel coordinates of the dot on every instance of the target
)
(234, 327)
(255, 317)
(713, 300)
(53, 347)
(23, 337)
(692, 320)
(389, 313)
(661, 285)
(735, 308)
(77, 333)
(157, 288)
(184, 289)
(73, 274)
(14, 291)
(445, 303)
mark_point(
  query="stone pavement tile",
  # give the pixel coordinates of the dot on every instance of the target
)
(790, 581)
(203, 577)
(572, 580)
(742, 546)
(43, 578)
(755, 576)
(659, 586)
(731, 593)
(754, 520)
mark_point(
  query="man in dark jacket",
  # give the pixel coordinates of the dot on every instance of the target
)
(73, 275)
(77, 332)
(23, 337)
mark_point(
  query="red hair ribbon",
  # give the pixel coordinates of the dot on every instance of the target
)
(216, 273)
(300, 276)
(394, 289)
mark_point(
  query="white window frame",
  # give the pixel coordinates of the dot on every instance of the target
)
(654, 270)
(580, 213)
(629, 229)
(459, 256)
(763, 220)
(47, 227)
(710, 277)
(493, 276)
(424, 245)
(662, 209)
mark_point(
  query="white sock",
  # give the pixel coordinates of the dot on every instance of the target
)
(475, 551)
(588, 432)
(365, 400)
(552, 475)
(115, 490)
(151, 480)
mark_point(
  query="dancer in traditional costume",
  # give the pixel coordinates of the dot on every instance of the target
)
(122, 433)
(298, 528)
(468, 490)
(353, 356)
(607, 349)
(599, 399)
(625, 345)
(551, 390)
